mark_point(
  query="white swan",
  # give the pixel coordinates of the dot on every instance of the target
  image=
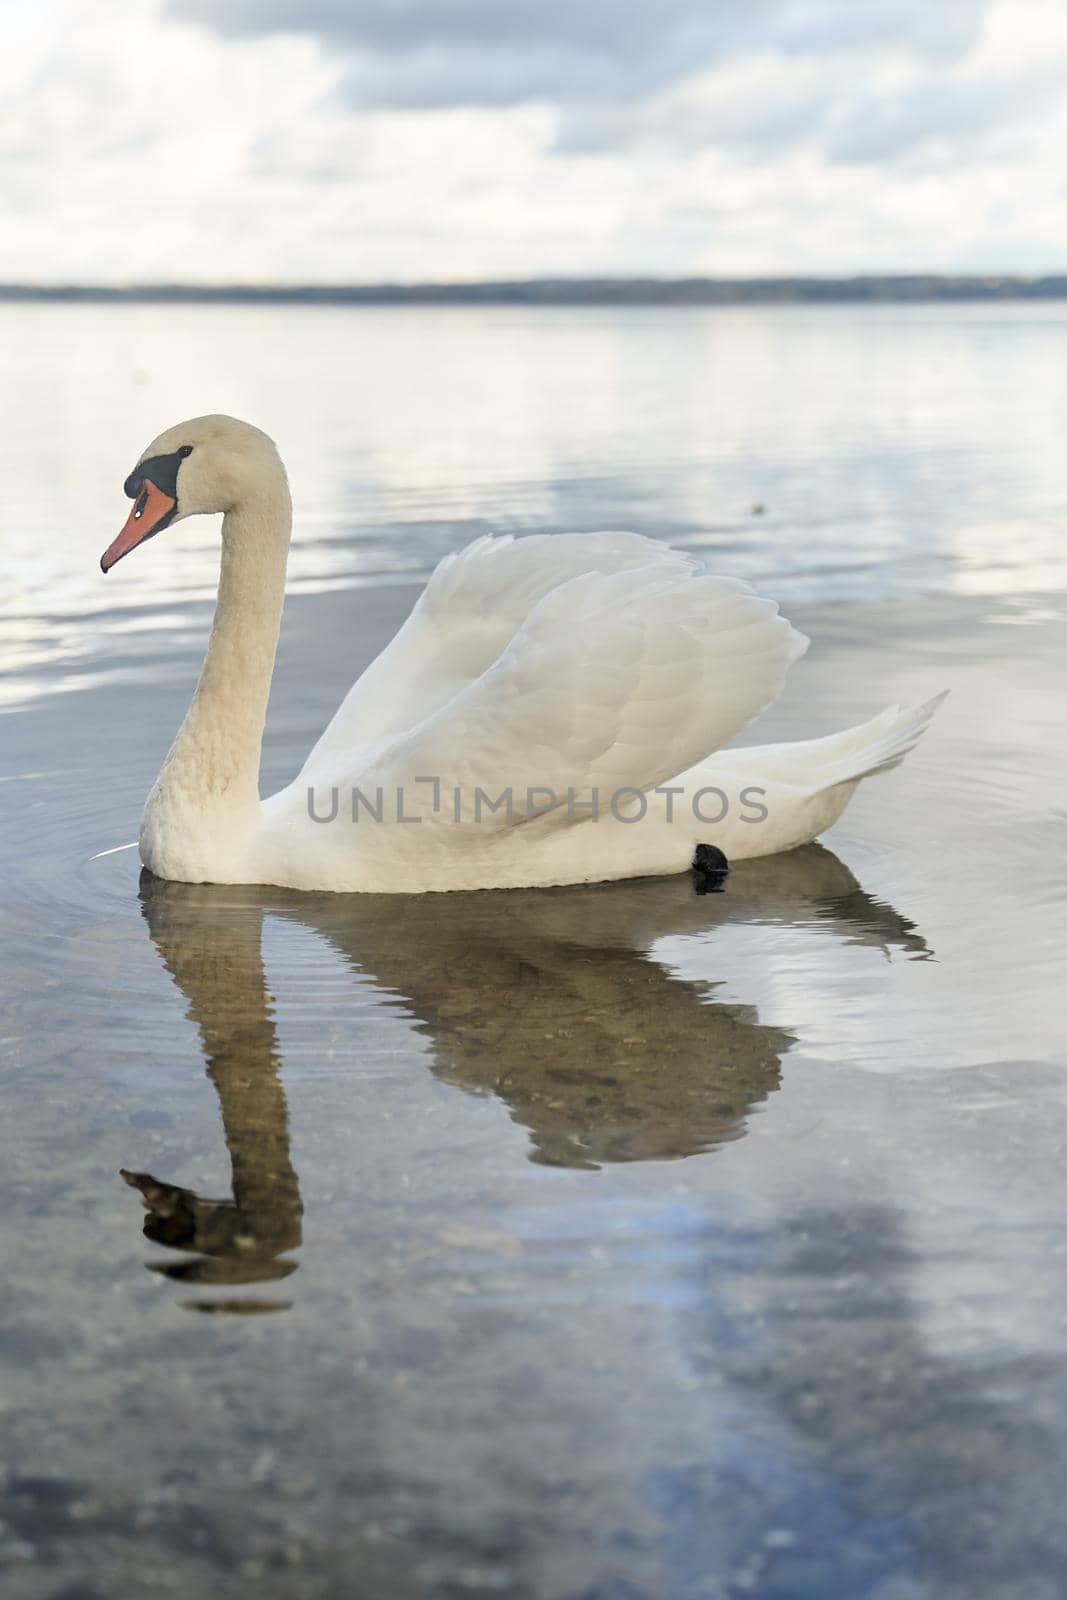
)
(547, 714)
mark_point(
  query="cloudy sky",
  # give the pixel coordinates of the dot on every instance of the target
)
(360, 140)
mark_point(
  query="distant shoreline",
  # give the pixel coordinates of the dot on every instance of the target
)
(885, 289)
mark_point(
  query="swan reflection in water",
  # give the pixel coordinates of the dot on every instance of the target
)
(552, 999)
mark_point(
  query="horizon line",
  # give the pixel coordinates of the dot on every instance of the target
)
(572, 290)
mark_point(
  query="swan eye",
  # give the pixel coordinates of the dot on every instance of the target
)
(142, 502)
(185, 450)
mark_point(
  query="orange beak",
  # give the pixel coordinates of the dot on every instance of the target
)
(152, 511)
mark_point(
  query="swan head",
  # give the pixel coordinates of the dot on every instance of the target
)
(207, 464)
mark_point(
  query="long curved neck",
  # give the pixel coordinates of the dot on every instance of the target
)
(214, 760)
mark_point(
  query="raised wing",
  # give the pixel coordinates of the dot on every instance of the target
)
(613, 681)
(469, 612)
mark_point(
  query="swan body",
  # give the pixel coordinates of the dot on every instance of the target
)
(555, 710)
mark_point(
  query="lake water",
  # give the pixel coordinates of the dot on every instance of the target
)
(614, 1243)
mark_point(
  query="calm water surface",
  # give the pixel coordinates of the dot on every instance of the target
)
(613, 1243)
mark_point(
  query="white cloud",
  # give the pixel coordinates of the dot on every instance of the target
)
(804, 135)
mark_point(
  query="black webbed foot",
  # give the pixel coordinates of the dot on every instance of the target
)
(710, 869)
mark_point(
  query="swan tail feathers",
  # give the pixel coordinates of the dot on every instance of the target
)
(881, 744)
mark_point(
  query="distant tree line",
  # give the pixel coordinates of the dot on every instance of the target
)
(564, 291)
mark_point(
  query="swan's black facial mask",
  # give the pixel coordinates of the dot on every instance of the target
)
(153, 488)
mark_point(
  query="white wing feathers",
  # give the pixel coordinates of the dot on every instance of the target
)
(505, 577)
(472, 606)
(613, 679)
